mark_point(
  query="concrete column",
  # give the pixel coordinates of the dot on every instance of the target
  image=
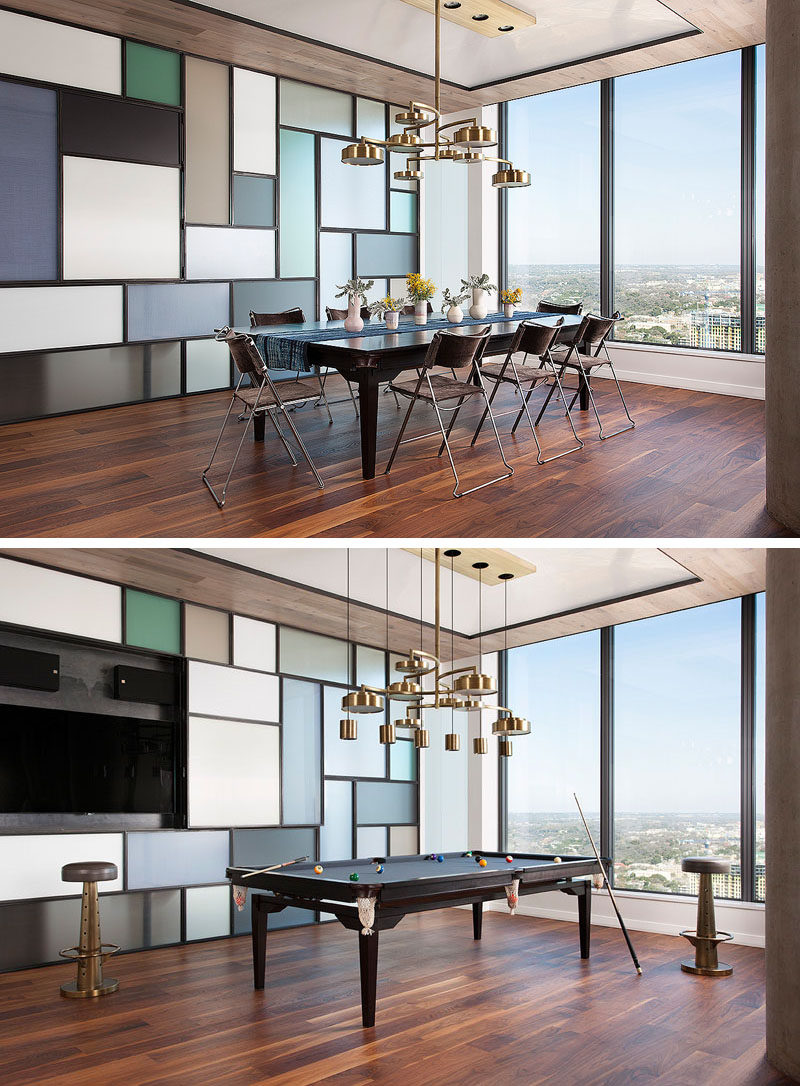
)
(782, 801)
(783, 262)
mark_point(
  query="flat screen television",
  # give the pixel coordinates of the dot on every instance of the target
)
(54, 761)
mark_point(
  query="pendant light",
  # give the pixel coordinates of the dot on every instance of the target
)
(348, 728)
(508, 724)
(400, 690)
(452, 740)
(363, 700)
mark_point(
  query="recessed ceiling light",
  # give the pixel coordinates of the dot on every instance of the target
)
(452, 4)
(505, 28)
(480, 18)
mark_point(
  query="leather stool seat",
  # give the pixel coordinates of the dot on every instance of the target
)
(705, 865)
(89, 871)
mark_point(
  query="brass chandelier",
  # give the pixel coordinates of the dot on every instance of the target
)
(466, 144)
(459, 689)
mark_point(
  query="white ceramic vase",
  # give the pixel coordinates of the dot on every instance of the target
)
(391, 319)
(480, 305)
(508, 309)
(353, 321)
(454, 314)
(420, 312)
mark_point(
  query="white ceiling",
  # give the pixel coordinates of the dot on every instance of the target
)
(393, 32)
(566, 579)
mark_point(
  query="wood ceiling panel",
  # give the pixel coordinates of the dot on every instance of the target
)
(500, 14)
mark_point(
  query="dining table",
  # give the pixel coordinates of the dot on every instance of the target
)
(376, 355)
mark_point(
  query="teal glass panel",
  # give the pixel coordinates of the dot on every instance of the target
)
(386, 801)
(336, 834)
(352, 196)
(298, 215)
(361, 757)
(304, 105)
(370, 666)
(403, 211)
(403, 761)
(385, 255)
(302, 753)
(313, 656)
(152, 622)
(253, 200)
(152, 74)
(370, 119)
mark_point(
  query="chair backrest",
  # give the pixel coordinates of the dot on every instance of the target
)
(288, 316)
(340, 314)
(409, 309)
(245, 354)
(533, 338)
(575, 308)
(456, 350)
(594, 330)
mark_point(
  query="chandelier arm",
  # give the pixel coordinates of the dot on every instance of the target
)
(457, 124)
(467, 669)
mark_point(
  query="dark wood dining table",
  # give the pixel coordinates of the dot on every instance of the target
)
(370, 361)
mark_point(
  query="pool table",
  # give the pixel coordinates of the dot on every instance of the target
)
(407, 884)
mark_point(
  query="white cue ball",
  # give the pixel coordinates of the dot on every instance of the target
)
(556, 859)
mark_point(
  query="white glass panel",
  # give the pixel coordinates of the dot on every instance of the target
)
(253, 122)
(208, 365)
(445, 210)
(121, 220)
(30, 866)
(302, 753)
(445, 779)
(321, 110)
(48, 600)
(370, 666)
(352, 196)
(253, 643)
(403, 841)
(371, 119)
(390, 801)
(233, 773)
(213, 252)
(314, 656)
(54, 53)
(76, 316)
(335, 267)
(362, 757)
(208, 912)
(371, 841)
(336, 836)
(229, 692)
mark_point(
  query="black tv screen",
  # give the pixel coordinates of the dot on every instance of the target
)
(53, 761)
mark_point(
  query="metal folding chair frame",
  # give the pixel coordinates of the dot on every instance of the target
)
(584, 377)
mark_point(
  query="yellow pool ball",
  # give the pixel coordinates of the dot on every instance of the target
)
(482, 863)
(556, 859)
(318, 869)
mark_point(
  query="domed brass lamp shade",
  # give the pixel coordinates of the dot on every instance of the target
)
(511, 179)
(404, 690)
(348, 729)
(480, 745)
(476, 135)
(362, 154)
(511, 725)
(506, 748)
(363, 701)
(387, 734)
(477, 685)
(468, 157)
(408, 175)
(401, 141)
(422, 738)
(452, 741)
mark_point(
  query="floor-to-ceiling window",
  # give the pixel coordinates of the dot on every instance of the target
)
(760, 222)
(554, 246)
(760, 790)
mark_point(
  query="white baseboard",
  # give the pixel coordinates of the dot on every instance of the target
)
(698, 371)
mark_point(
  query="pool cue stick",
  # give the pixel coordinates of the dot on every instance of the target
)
(610, 891)
(275, 867)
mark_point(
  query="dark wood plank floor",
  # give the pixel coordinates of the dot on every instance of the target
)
(693, 467)
(520, 1006)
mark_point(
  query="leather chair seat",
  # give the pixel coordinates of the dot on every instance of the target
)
(89, 871)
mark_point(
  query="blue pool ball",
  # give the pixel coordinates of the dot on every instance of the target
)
(354, 877)
(440, 859)
(379, 868)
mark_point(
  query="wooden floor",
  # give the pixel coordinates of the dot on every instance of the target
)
(520, 1006)
(693, 467)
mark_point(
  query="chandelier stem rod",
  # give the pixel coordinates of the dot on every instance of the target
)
(438, 68)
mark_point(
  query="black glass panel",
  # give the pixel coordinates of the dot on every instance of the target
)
(114, 128)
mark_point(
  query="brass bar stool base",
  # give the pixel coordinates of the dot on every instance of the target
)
(72, 991)
(91, 952)
(722, 969)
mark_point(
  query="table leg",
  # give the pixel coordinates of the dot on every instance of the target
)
(368, 399)
(584, 394)
(585, 917)
(477, 919)
(368, 957)
(259, 423)
(259, 933)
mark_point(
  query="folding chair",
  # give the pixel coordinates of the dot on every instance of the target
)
(291, 316)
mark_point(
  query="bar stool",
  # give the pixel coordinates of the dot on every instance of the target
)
(706, 938)
(90, 952)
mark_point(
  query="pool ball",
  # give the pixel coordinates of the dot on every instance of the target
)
(482, 862)
(432, 856)
(440, 859)
(379, 868)
(354, 877)
(317, 869)
(509, 859)
(468, 853)
(556, 859)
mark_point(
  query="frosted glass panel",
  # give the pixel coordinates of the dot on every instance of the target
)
(259, 848)
(208, 912)
(385, 255)
(253, 200)
(152, 73)
(352, 196)
(403, 761)
(378, 801)
(321, 110)
(208, 365)
(76, 316)
(233, 773)
(403, 841)
(314, 655)
(446, 787)
(48, 600)
(362, 757)
(370, 666)
(175, 310)
(403, 211)
(121, 220)
(206, 633)
(287, 918)
(253, 643)
(253, 121)
(335, 267)
(212, 252)
(336, 836)
(229, 692)
(273, 297)
(30, 866)
(371, 118)
(53, 53)
(302, 752)
(207, 141)
(152, 622)
(298, 205)
(29, 168)
(176, 858)
(371, 841)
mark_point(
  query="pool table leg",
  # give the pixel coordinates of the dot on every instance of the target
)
(259, 933)
(477, 919)
(368, 957)
(585, 917)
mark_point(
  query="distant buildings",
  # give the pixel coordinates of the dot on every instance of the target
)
(719, 330)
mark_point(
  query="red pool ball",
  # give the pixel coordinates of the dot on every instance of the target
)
(509, 859)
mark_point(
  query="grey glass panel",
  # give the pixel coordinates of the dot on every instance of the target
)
(362, 757)
(371, 841)
(306, 106)
(403, 841)
(403, 761)
(370, 118)
(253, 200)
(35, 931)
(351, 196)
(377, 801)
(288, 918)
(336, 836)
(314, 655)
(29, 172)
(269, 296)
(208, 912)
(113, 128)
(385, 255)
(174, 310)
(301, 762)
(206, 634)
(177, 858)
(53, 383)
(259, 848)
(298, 205)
